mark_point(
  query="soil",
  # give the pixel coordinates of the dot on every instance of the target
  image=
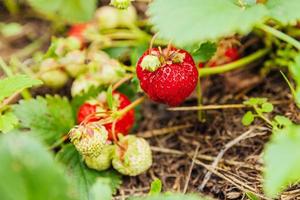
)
(239, 169)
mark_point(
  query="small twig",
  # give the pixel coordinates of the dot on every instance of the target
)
(190, 170)
(221, 153)
(205, 157)
(163, 131)
(225, 106)
(9, 99)
(242, 186)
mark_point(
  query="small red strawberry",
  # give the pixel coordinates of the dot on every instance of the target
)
(87, 110)
(167, 76)
(232, 53)
(77, 31)
(123, 125)
(201, 64)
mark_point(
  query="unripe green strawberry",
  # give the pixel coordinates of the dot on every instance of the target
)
(128, 17)
(83, 83)
(102, 161)
(89, 139)
(107, 17)
(73, 62)
(54, 78)
(135, 159)
(51, 74)
(60, 46)
(108, 70)
(111, 73)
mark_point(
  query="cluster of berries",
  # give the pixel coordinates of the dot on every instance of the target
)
(89, 67)
(103, 143)
(78, 55)
(106, 17)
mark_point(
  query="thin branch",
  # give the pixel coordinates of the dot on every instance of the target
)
(190, 170)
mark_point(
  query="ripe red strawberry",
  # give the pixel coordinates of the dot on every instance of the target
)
(232, 53)
(77, 31)
(168, 79)
(123, 125)
(87, 110)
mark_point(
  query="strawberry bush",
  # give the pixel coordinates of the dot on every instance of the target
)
(76, 106)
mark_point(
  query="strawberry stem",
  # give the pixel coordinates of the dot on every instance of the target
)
(130, 107)
(152, 40)
(120, 82)
(233, 65)
(113, 132)
(280, 35)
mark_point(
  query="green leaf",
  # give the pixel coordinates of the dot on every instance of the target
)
(77, 10)
(44, 6)
(200, 20)
(28, 170)
(48, 118)
(267, 107)
(82, 177)
(8, 122)
(295, 69)
(248, 118)
(286, 12)
(252, 196)
(171, 197)
(248, 2)
(205, 51)
(282, 160)
(281, 122)
(101, 190)
(156, 187)
(10, 85)
(73, 11)
(255, 101)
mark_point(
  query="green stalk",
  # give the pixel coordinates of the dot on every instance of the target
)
(233, 65)
(200, 113)
(5, 68)
(12, 6)
(29, 49)
(280, 35)
(259, 114)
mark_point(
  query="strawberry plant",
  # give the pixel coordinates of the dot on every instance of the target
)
(88, 116)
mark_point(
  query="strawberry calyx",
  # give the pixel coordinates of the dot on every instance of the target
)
(151, 63)
(159, 58)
